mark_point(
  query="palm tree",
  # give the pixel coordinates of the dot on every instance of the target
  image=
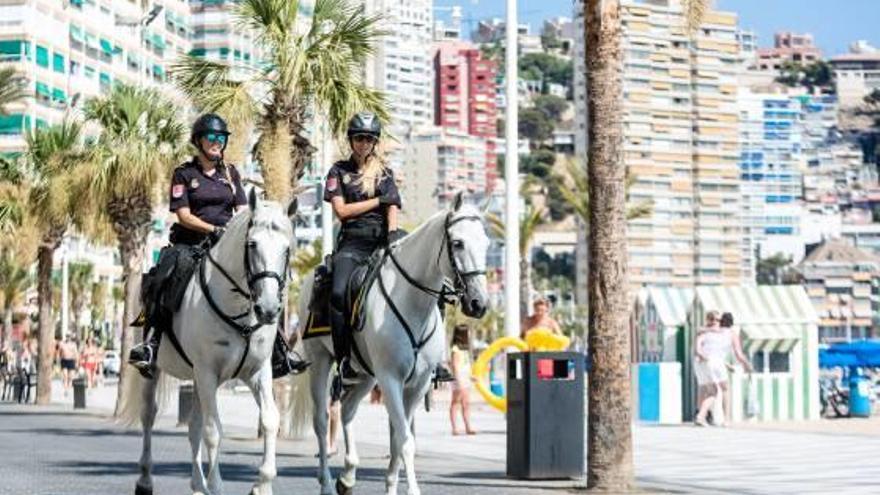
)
(531, 219)
(53, 156)
(577, 194)
(609, 437)
(13, 88)
(140, 142)
(15, 278)
(311, 71)
(80, 274)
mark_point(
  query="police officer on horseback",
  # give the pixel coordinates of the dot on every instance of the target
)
(366, 201)
(205, 193)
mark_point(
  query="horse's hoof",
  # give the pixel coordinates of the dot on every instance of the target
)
(341, 489)
(139, 490)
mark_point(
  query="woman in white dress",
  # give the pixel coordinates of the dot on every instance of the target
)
(712, 348)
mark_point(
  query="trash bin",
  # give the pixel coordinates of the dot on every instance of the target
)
(859, 395)
(184, 403)
(545, 415)
(79, 393)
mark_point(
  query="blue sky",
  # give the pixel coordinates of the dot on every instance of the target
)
(834, 24)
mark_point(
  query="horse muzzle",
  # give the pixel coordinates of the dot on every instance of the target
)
(266, 316)
(473, 307)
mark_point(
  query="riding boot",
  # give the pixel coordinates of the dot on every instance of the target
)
(284, 361)
(341, 343)
(143, 355)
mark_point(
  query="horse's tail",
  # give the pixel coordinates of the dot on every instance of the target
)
(131, 402)
(301, 395)
(301, 405)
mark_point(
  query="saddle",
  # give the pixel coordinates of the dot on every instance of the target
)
(163, 287)
(362, 278)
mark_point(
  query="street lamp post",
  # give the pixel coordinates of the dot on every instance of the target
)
(511, 180)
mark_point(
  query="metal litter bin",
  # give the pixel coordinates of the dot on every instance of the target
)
(184, 403)
(545, 415)
(79, 393)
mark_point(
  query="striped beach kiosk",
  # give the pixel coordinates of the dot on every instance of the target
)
(780, 337)
(658, 377)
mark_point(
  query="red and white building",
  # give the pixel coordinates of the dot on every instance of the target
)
(464, 96)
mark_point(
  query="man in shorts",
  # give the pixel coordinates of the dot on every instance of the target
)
(67, 354)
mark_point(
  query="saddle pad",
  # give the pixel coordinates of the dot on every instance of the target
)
(317, 324)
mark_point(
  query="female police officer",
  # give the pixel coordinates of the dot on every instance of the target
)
(365, 199)
(205, 193)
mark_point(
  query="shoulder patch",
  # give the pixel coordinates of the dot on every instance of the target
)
(177, 191)
(331, 183)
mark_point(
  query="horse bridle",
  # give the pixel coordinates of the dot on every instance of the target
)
(243, 329)
(459, 277)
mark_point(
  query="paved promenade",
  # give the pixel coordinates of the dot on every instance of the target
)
(56, 451)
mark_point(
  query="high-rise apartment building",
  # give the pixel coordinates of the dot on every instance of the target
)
(770, 159)
(70, 51)
(464, 95)
(402, 66)
(440, 162)
(216, 36)
(680, 124)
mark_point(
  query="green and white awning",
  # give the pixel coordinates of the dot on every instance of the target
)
(671, 304)
(773, 318)
(771, 337)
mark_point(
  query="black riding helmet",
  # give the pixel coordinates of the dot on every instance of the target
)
(206, 124)
(364, 123)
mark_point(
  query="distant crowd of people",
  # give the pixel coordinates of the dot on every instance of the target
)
(70, 357)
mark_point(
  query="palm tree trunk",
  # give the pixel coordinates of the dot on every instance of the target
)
(7, 324)
(609, 432)
(274, 150)
(46, 342)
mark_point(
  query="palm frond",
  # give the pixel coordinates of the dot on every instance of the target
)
(140, 142)
(13, 88)
(693, 12)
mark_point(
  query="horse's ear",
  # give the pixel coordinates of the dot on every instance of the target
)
(252, 199)
(457, 200)
(292, 208)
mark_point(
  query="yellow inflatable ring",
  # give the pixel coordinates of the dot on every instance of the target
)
(543, 339)
(480, 369)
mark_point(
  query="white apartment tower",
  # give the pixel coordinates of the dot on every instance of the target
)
(402, 66)
(70, 51)
(680, 125)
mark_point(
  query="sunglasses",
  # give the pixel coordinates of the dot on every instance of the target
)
(360, 138)
(216, 138)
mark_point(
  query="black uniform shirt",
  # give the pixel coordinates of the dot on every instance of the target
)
(344, 180)
(208, 197)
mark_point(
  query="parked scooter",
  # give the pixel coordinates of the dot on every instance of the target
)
(834, 399)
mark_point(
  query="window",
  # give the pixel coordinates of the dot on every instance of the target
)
(771, 362)
(58, 62)
(42, 56)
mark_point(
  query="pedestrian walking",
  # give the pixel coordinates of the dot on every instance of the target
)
(461, 371)
(714, 343)
(67, 354)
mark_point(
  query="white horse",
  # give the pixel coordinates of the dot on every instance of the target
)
(403, 338)
(226, 327)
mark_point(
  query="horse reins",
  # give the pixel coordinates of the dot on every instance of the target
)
(442, 293)
(252, 278)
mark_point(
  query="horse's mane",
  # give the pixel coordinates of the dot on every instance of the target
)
(465, 209)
